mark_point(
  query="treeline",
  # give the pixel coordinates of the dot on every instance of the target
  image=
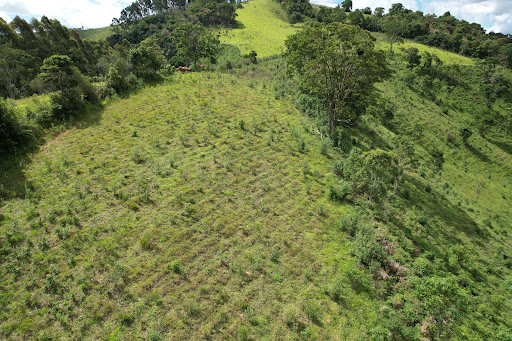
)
(161, 26)
(24, 46)
(151, 39)
(445, 32)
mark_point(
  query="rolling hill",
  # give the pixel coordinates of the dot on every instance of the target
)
(202, 208)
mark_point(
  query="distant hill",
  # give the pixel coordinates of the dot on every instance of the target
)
(95, 33)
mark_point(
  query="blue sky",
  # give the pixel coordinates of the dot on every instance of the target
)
(495, 15)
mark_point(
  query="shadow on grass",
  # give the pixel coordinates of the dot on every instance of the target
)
(482, 157)
(451, 215)
(13, 181)
(506, 147)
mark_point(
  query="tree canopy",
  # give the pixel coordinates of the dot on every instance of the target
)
(339, 64)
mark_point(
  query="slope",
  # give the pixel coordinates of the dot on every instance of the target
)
(96, 33)
(168, 216)
(201, 209)
(262, 28)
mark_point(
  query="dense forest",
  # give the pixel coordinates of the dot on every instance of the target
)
(268, 169)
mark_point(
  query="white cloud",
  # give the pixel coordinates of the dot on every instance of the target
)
(493, 15)
(72, 13)
(328, 3)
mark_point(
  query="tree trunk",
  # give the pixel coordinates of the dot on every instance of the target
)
(396, 186)
(331, 117)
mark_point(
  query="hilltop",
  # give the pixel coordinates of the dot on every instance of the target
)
(213, 205)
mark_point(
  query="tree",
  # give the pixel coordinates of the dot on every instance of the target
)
(194, 42)
(346, 5)
(59, 72)
(70, 86)
(397, 8)
(339, 64)
(356, 18)
(147, 59)
(413, 57)
(379, 12)
(367, 10)
(16, 70)
(394, 30)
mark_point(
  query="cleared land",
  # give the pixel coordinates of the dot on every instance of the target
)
(263, 29)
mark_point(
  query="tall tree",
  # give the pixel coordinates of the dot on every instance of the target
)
(195, 42)
(339, 64)
(394, 30)
(16, 70)
(346, 5)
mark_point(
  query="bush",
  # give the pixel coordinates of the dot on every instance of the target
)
(337, 290)
(337, 167)
(11, 132)
(66, 103)
(242, 333)
(366, 248)
(342, 140)
(349, 223)
(339, 191)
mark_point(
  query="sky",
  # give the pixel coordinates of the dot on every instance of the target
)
(493, 15)
(71, 13)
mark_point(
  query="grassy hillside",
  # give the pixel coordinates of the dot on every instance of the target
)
(445, 56)
(96, 33)
(263, 28)
(205, 208)
(169, 214)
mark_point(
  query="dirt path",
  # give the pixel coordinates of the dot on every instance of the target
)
(49, 143)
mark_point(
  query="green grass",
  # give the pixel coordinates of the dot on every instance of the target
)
(199, 209)
(169, 175)
(96, 33)
(263, 28)
(446, 56)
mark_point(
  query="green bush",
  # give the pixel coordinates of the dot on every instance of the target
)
(242, 333)
(338, 192)
(11, 133)
(349, 224)
(366, 248)
(337, 290)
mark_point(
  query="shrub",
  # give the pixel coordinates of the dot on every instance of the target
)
(66, 103)
(11, 132)
(339, 191)
(341, 140)
(312, 311)
(366, 248)
(127, 319)
(242, 333)
(358, 279)
(349, 223)
(324, 148)
(337, 167)
(176, 267)
(337, 290)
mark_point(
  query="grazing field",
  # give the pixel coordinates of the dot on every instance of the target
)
(263, 28)
(209, 206)
(96, 33)
(445, 56)
(169, 213)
